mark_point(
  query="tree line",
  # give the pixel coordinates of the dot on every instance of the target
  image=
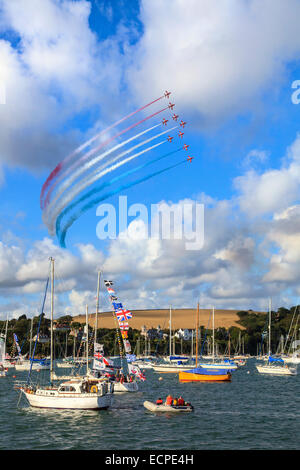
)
(251, 338)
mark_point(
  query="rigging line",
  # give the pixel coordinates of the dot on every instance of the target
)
(32, 358)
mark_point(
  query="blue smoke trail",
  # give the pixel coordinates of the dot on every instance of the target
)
(105, 196)
(104, 185)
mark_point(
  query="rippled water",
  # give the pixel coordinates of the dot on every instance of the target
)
(253, 411)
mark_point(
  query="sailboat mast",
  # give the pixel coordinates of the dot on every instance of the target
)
(97, 308)
(170, 341)
(87, 339)
(30, 344)
(52, 309)
(270, 309)
(197, 328)
(213, 345)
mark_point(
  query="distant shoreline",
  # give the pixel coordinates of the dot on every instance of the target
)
(181, 318)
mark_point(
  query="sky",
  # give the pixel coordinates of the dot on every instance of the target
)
(69, 70)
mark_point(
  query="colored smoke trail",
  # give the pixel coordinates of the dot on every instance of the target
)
(73, 194)
(92, 162)
(92, 177)
(105, 196)
(104, 185)
(61, 166)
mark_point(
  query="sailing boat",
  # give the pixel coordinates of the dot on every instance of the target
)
(4, 361)
(270, 366)
(226, 365)
(26, 364)
(76, 393)
(2, 354)
(201, 373)
(174, 363)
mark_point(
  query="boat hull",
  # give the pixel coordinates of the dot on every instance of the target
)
(88, 402)
(126, 387)
(274, 370)
(195, 377)
(166, 408)
(35, 366)
(169, 368)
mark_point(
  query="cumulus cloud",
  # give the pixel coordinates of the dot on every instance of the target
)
(54, 69)
(219, 56)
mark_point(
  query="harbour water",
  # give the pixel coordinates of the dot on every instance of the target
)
(252, 412)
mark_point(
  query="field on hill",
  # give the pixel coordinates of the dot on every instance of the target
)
(181, 318)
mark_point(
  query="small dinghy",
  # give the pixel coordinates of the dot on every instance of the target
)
(169, 408)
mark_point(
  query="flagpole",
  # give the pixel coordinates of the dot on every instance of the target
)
(170, 342)
(86, 340)
(97, 309)
(197, 332)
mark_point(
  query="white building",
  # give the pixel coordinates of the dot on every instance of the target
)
(185, 334)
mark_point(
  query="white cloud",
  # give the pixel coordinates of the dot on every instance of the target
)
(217, 56)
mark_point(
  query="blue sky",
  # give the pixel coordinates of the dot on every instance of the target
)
(76, 68)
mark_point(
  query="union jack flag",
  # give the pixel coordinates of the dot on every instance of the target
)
(123, 314)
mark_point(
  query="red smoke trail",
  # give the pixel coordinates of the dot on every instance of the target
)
(62, 164)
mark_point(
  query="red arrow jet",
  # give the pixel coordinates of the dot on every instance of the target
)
(175, 117)
(190, 159)
(167, 94)
(170, 138)
(164, 121)
(171, 105)
(185, 147)
(180, 134)
(182, 123)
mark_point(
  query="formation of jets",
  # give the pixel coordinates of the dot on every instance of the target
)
(182, 124)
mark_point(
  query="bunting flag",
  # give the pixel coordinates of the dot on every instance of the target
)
(135, 370)
(98, 348)
(17, 344)
(121, 315)
(123, 325)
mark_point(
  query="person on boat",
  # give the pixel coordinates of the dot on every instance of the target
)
(175, 402)
(169, 400)
(159, 401)
(180, 401)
